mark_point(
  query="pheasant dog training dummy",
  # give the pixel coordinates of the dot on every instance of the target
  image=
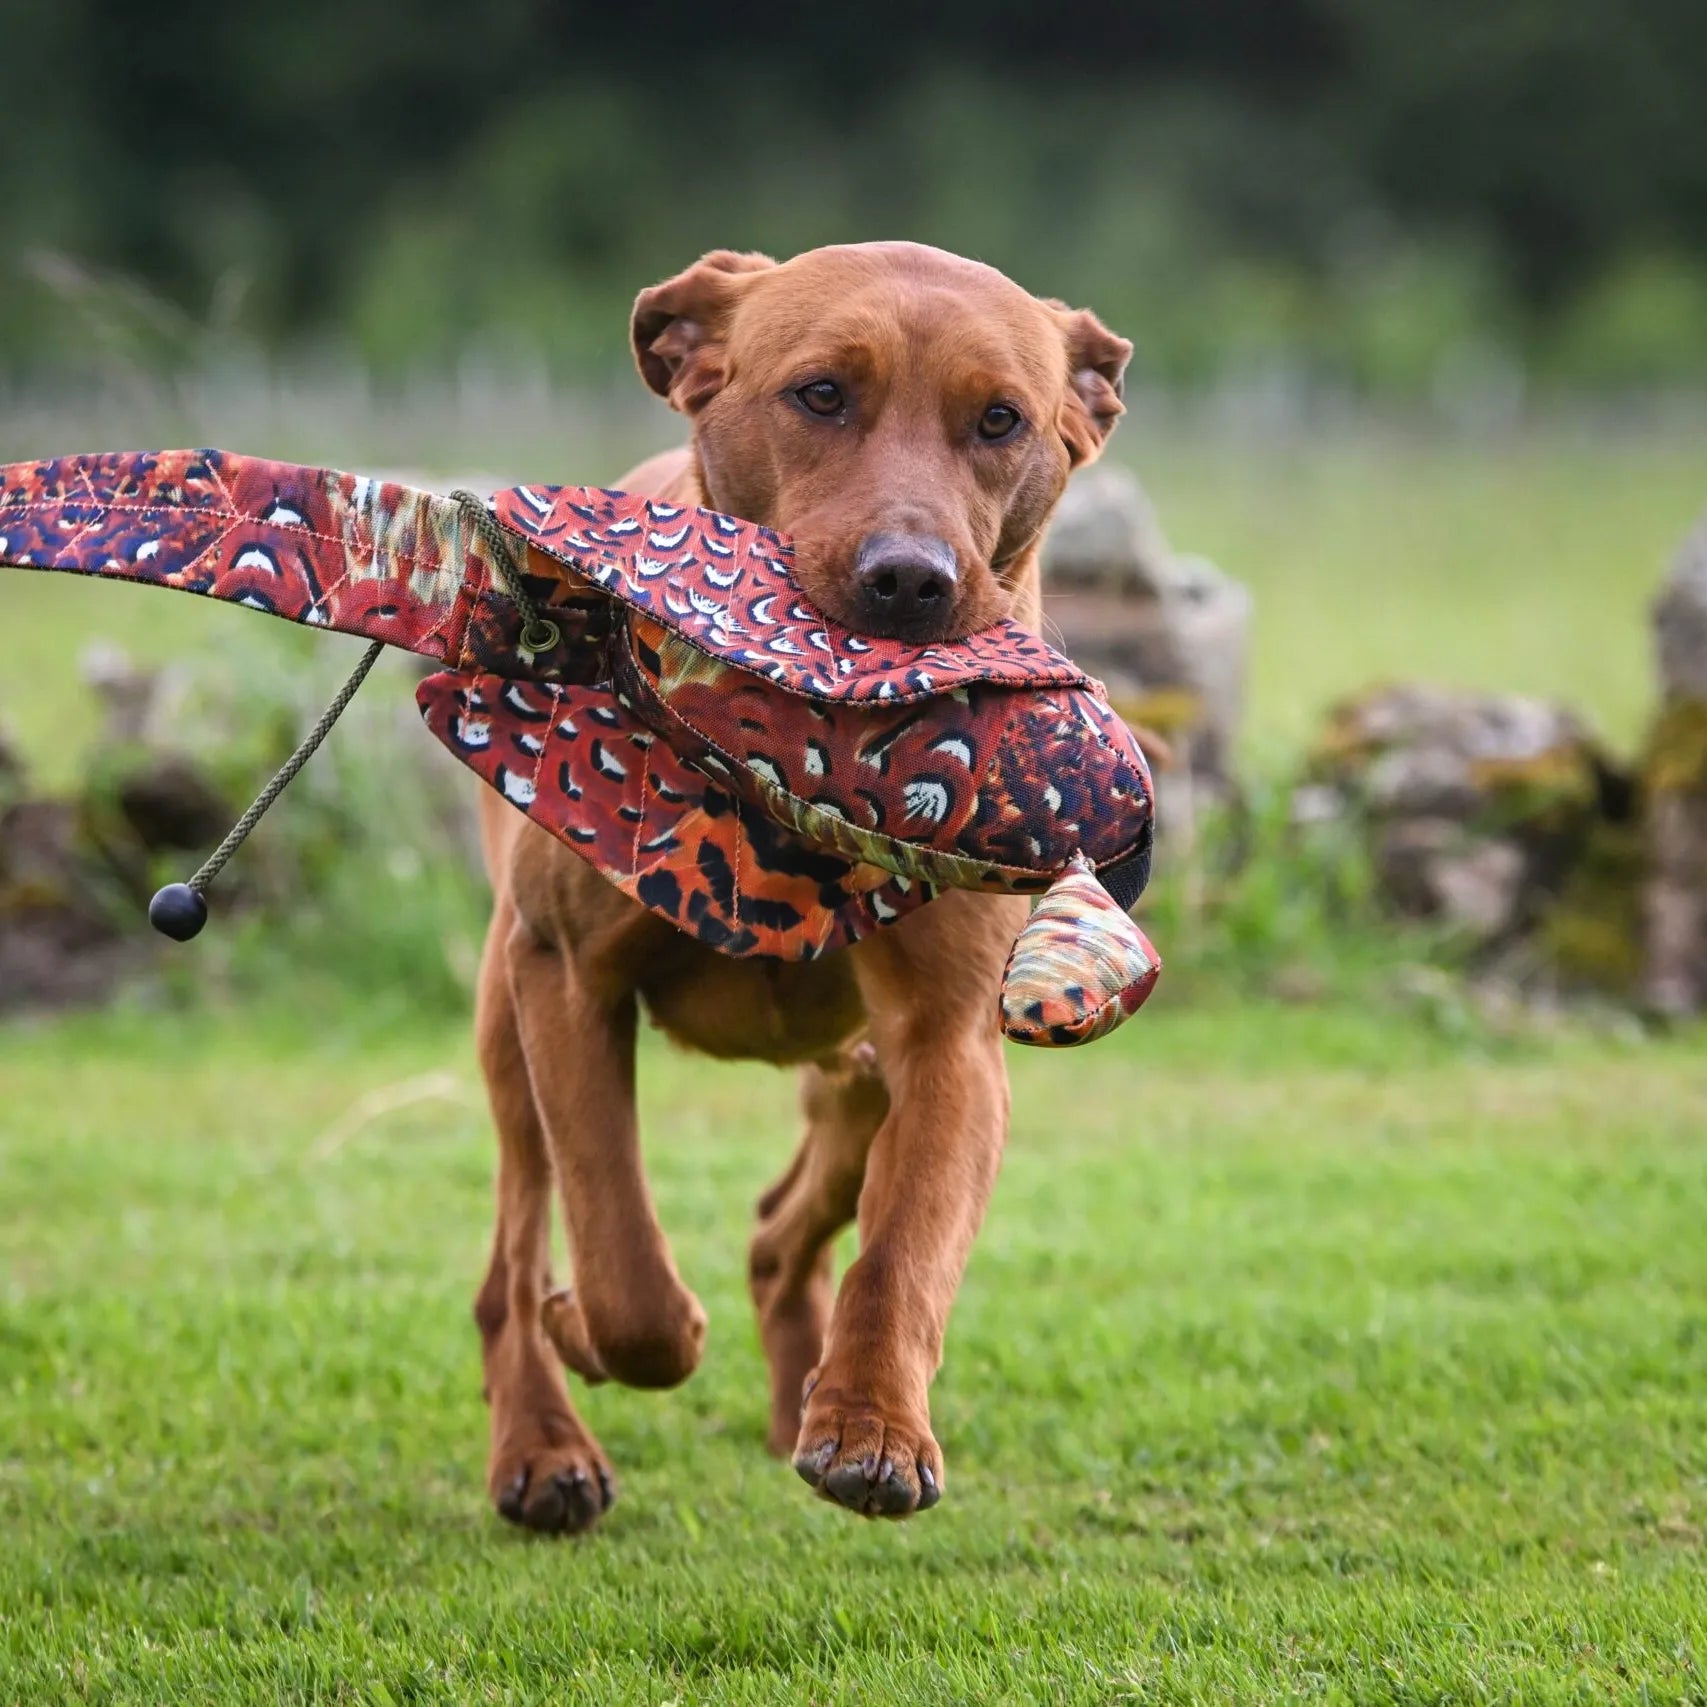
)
(649, 683)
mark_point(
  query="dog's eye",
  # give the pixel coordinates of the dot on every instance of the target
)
(998, 421)
(822, 397)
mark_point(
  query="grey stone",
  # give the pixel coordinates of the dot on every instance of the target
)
(1674, 900)
(1674, 974)
(1167, 634)
(1105, 534)
(1473, 805)
(1429, 868)
(1480, 887)
(1469, 727)
(1419, 781)
(1680, 621)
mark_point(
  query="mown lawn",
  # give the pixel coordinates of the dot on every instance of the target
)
(1306, 1354)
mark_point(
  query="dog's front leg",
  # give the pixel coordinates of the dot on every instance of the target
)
(628, 1316)
(931, 987)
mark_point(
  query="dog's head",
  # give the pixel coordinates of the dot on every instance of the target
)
(908, 416)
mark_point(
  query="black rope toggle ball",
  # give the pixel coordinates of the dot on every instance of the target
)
(178, 911)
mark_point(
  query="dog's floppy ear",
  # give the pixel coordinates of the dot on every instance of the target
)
(1096, 367)
(678, 325)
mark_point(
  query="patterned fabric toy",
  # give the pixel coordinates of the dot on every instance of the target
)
(653, 688)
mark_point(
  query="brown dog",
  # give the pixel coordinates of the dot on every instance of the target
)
(911, 419)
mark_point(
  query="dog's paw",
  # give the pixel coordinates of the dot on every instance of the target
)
(552, 1489)
(566, 1328)
(877, 1461)
(655, 1346)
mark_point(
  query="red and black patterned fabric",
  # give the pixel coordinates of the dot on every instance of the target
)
(1079, 968)
(765, 778)
(580, 762)
(727, 587)
(314, 546)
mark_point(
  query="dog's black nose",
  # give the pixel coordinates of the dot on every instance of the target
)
(906, 585)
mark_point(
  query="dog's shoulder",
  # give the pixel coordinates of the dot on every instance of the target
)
(672, 475)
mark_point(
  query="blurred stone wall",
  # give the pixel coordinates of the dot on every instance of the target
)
(180, 752)
(1505, 821)
(1167, 634)
(1479, 813)
(1674, 775)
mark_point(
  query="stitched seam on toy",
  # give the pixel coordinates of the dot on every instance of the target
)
(993, 772)
(347, 544)
(640, 824)
(331, 592)
(212, 545)
(835, 656)
(213, 513)
(447, 613)
(382, 557)
(767, 787)
(480, 591)
(214, 475)
(901, 697)
(935, 856)
(539, 761)
(740, 844)
(93, 521)
(1108, 747)
(958, 861)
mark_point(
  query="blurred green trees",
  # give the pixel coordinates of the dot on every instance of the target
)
(1386, 196)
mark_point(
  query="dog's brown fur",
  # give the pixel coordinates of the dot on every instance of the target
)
(903, 1084)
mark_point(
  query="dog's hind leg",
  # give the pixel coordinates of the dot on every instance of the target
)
(628, 1317)
(788, 1262)
(545, 1470)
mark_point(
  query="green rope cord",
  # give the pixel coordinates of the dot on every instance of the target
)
(538, 633)
(286, 773)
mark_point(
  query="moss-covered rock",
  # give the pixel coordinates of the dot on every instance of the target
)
(1674, 760)
(61, 941)
(1673, 926)
(1477, 808)
(1590, 937)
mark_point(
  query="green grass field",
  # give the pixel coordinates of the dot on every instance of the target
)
(1305, 1355)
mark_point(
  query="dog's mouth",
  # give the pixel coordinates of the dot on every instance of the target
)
(926, 628)
(865, 615)
(891, 586)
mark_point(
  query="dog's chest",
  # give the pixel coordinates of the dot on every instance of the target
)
(763, 1010)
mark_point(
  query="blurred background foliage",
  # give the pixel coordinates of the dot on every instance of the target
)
(1419, 294)
(1374, 198)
